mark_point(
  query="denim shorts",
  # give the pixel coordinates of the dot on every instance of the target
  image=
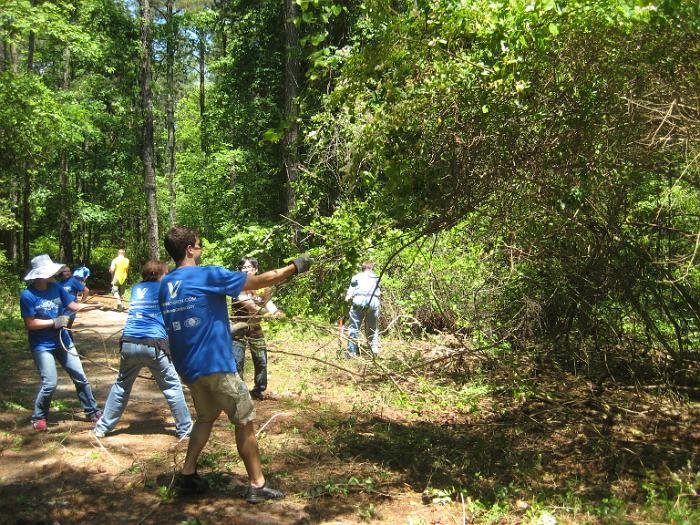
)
(216, 393)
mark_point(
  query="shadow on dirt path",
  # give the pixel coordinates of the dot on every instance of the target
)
(67, 475)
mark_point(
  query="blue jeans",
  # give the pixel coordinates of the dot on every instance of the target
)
(369, 313)
(133, 358)
(70, 361)
(258, 351)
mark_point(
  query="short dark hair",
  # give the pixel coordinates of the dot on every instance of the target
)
(177, 240)
(251, 260)
(154, 270)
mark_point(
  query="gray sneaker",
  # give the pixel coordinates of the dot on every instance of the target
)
(264, 493)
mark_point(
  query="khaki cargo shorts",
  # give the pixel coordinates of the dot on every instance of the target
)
(216, 393)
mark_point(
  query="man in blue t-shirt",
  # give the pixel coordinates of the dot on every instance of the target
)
(73, 286)
(193, 301)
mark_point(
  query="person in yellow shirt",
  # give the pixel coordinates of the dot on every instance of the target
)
(119, 270)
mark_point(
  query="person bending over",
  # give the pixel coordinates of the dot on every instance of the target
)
(73, 286)
(363, 294)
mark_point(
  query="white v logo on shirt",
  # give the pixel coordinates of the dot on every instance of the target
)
(141, 293)
(174, 288)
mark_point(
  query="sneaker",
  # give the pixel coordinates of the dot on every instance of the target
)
(186, 484)
(96, 416)
(40, 425)
(258, 396)
(264, 493)
(98, 433)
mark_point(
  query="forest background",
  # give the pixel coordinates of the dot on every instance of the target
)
(525, 173)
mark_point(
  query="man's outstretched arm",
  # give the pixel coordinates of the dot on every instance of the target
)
(299, 265)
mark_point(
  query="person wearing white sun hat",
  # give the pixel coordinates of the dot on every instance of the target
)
(43, 305)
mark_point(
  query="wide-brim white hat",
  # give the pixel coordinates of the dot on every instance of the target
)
(43, 268)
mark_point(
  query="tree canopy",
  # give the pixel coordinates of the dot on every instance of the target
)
(525, 172)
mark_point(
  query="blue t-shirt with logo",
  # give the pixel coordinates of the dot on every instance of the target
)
(72, 286)
(193, 303)
(45, 304)
(83, 272)
(145, 319)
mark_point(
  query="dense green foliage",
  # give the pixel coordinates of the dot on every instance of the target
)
(525, 172)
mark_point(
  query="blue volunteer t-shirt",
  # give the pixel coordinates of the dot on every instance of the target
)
(145, 319)
(45, 304)
(73, 287)
(83, 272)
(193, 303)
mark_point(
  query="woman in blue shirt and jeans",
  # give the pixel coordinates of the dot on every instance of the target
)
(43, 305)
(145, 343)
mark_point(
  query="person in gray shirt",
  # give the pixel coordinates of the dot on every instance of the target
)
(364, 295)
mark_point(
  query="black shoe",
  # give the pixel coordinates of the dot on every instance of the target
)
(264, 493)
(258, 396)
(186, 484)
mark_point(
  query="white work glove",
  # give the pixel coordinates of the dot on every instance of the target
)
(61, 321)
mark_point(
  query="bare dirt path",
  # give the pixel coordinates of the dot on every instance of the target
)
(67, 475)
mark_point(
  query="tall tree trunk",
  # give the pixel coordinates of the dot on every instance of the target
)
(203, 121)
(26, 188)
(223, 10)
(65, 237)
(170, 109)
(10, 239)
(4, 56)
(147, 147)
(26, 180)
(204, 139)
(291, 107)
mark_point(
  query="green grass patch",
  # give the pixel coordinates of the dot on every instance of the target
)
(9, 405)
(426, 395)
(341, 487)
(64, 404)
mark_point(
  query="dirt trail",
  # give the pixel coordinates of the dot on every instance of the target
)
(67, 475)
(344, 451)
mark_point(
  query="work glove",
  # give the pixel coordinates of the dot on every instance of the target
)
(238, 327)
(93, 306)
(302, 263)
(61, 321)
